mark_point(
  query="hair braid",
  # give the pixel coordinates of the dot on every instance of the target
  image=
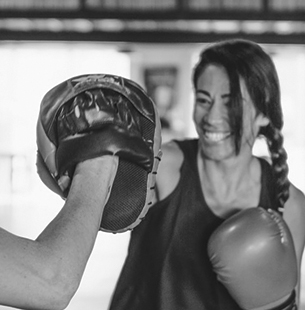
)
(279, 163)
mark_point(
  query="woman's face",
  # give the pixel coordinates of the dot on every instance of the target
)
(211, 118)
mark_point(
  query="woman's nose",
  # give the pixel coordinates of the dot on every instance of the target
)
(216, 113)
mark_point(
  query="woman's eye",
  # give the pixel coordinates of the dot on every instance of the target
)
(203, 101)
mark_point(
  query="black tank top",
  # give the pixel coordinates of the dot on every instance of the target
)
(167, 266)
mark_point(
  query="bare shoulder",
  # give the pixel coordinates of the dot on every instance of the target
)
(295, 205)
(294, 215)
(169, 169)
(171, 153)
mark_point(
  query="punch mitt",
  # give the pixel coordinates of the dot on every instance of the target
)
(93, 115)
(254, 257)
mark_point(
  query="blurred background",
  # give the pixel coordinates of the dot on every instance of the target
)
(154, 42)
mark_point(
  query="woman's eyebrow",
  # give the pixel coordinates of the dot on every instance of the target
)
(204, 92)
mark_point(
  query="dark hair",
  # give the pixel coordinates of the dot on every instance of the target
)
(247, 60)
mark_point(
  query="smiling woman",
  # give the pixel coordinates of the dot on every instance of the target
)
(202, 182)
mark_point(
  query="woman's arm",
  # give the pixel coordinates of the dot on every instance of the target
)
(169, 169)
(45, 273)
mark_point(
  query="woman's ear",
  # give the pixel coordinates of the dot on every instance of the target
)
(262, 120)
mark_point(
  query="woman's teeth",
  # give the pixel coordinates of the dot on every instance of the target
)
(216, 136)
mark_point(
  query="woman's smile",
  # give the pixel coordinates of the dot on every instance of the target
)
(214, 136)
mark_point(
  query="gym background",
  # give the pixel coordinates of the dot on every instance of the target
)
(156, 43)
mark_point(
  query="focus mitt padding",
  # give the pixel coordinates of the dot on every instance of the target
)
(100, 114)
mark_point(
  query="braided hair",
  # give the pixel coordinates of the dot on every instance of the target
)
(247, 60)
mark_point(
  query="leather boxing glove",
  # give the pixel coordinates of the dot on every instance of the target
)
(253, 255)
(94, 115)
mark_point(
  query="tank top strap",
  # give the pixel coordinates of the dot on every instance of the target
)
(189, 148)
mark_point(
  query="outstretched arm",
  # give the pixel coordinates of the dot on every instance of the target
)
(46, 272)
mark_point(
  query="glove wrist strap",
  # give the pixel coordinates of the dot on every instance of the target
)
(289, 304)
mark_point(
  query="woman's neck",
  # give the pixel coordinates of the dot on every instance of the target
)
(231, 184)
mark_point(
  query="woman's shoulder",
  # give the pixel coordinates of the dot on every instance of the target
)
(170, 146)
(296, 202)
(294, 215)
(169, 169)
(296, 194)
(295, 205)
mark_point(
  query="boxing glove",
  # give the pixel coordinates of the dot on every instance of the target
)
(94, 115)
(253, 255)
